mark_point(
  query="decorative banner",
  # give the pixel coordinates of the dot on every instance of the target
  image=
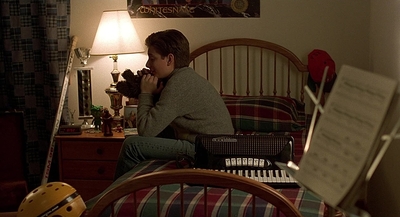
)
(193, 8)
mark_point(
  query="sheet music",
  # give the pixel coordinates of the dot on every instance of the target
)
(346, 133)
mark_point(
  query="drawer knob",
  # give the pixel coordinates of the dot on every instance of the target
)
(100, 151)
(101, 170)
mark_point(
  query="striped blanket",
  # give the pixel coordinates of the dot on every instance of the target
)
(193, 203)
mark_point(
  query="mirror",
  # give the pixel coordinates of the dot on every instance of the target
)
(84, 86)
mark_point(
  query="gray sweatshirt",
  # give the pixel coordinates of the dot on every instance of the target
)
(188, 103)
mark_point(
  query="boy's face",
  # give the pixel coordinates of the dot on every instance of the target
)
(159, 66)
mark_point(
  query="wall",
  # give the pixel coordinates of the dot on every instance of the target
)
(340, 27)
(383, 193)
(385, 37)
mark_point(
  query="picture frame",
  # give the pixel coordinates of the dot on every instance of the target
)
(193, 8)
(130, 112)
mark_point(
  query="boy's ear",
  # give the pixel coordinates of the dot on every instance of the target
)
(170, 59)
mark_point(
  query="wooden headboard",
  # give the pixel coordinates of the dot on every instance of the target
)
(250, 67)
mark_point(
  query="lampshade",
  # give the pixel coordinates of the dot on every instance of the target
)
(116, 35)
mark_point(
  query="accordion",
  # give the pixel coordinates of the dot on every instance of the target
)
(242, 151)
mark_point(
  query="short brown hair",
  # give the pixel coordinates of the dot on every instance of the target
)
(171, 41)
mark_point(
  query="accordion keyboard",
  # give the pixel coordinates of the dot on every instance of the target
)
(273, 178)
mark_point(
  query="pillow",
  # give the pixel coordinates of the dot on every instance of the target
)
(264, 113)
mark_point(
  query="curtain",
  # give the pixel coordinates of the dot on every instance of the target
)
(34, 52)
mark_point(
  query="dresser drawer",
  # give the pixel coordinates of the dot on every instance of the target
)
(78, 169)
(90, 150)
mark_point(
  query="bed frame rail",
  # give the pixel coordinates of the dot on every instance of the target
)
(266, 67)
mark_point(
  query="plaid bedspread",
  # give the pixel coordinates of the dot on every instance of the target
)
(300, 136)
(217, 198)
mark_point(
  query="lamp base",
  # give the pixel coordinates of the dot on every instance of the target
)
(117, 122)
(116, 104)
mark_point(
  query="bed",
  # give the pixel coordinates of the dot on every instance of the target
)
(262, 84)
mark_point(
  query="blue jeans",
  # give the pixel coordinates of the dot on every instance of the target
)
(138, 148)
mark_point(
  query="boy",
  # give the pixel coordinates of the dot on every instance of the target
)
(182, 100)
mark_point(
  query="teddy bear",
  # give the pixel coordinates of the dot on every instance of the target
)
(130, 87)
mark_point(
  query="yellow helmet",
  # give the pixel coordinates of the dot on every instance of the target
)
(52, 199)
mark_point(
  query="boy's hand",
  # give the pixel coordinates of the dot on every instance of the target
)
(149, 84)
(143, 71)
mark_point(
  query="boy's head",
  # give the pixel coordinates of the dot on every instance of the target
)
(171, 41)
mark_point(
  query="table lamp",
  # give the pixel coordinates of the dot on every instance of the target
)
(115, 35)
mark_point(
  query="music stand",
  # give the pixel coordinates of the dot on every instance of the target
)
(349, 207)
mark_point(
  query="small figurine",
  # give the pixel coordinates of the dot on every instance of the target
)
(96, 112)
(107, 122)
(119, 128)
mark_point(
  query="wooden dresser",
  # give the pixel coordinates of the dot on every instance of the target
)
(87, 161)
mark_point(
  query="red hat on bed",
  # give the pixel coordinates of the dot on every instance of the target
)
(317, 61)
